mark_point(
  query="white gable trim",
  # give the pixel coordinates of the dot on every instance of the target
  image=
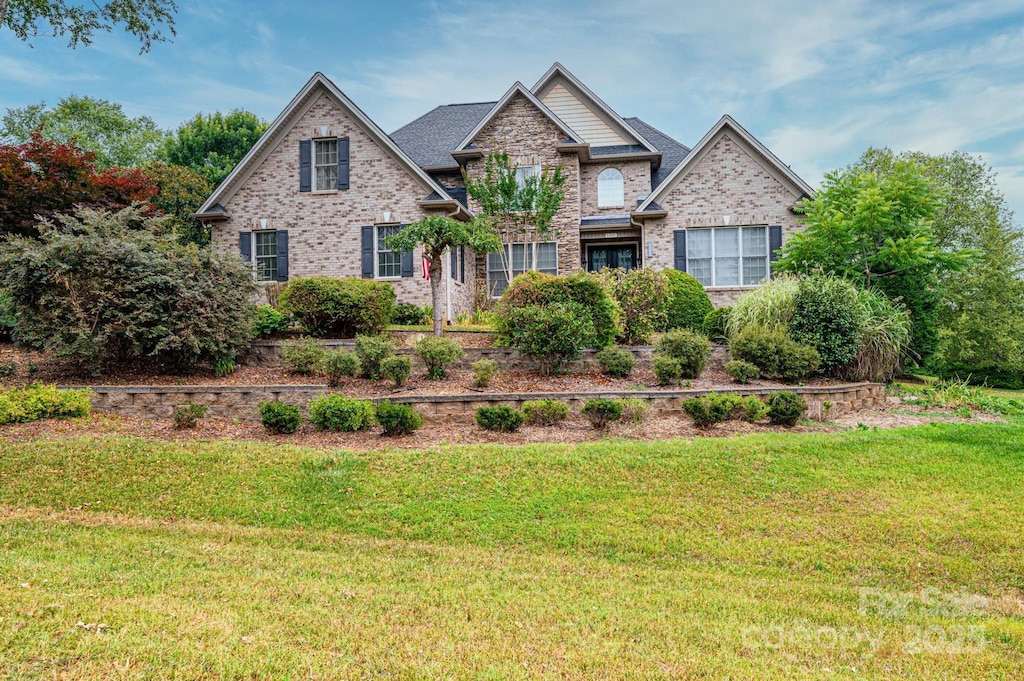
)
(748, 142)
(518, 89)
(558, 70)
(287, 119)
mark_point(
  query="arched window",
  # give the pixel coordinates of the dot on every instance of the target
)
(610, 192)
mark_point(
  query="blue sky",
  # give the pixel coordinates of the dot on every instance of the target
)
(817, 82)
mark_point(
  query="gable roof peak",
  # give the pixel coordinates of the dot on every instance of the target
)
(519, 89)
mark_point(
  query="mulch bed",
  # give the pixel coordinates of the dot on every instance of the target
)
(49, 370)
(574, 430)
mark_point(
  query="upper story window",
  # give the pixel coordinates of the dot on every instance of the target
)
(610, 190)
(325, 164)
(523, 173)
(727, 256)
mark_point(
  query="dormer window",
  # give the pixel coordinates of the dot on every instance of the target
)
(610, 190)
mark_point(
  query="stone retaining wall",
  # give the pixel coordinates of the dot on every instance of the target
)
(242, 402)
(268, 354)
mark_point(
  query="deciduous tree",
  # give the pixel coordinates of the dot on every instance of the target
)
(213, 144)
(148, 20)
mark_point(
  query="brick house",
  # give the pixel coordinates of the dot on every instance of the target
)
(325, 185)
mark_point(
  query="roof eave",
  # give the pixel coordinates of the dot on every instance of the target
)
(642, 214)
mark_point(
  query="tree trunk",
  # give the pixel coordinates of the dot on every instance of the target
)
(435, 289)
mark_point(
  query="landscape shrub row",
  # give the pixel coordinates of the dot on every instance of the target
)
(335, 412)
(38, 401)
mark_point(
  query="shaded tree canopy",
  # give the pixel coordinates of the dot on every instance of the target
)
(148, 20)
(213, 144)
(95, 125)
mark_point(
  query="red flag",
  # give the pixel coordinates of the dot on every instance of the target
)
(426, 268)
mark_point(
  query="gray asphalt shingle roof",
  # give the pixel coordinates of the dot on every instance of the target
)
(429, 139)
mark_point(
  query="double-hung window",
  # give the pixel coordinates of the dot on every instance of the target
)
(523, 173)
(389, 262)
(540, 256)
(265, 255)
(728, 256)
(325, 164)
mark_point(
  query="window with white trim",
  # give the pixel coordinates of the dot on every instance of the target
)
(523, 173)
(728, 256)
(540, 256)
(325, 164)
(264, 249)
(389, 262)
(610, 189)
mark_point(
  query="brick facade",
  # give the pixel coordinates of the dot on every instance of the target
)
(636, 181)
(726, 181)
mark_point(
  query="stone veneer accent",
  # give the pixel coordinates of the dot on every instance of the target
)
(727, 181)
(242, 402)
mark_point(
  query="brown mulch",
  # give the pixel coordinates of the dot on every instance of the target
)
(576, 429)
(36, 366)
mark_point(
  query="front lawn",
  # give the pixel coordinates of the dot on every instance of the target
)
(888, 554)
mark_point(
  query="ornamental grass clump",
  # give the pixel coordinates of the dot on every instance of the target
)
(770, 305)
(884, 340)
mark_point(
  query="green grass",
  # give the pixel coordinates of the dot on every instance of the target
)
(615, 559)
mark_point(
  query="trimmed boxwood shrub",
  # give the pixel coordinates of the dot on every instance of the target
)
(337, 412)
(580, 291)
(785, 408)
(752, 409)
(667, 370)
(690, 348)
(741, 371)
(687, 301)
(484, 371)
(716, 324)
(397, 368)
(345, 307)
(501, 418)
(372, 351)
(550, 334)
(303, 356)
(398, 419)
(338, 364)
(615, 361)
(827, 316)
(280, 418)
(438, 354)
(407, 314)
(774, 353)
(268, 322)
(600, 412)
(545, 412)
(37, 401)
(711, 409)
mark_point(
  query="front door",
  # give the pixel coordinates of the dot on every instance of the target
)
(616, 255)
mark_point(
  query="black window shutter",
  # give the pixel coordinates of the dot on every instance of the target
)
(368, 252)
(245, 245)
(774, 242)
(305, 166)
(282, 255)
(454, 273)
(462, 264)
(406, 263)
(679, 244)
(342, 163)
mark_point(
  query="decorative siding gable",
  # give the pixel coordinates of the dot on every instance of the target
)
(578, 116)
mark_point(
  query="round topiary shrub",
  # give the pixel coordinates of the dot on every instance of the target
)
(615, 361)
(828, 316)
(438, 354)
(579, 290)
(711, 409)
(502, 419)
(337, 412)
(340, 306)
(687, 301)
(600, 412)
(545, 412)
(397, 369)
(785, 408)
(742, 372)
(690, 348)
(667, 370)
(280, 418)
(716, 324)
(752, 409)
(398, 419)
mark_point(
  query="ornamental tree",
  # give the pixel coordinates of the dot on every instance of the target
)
(438, 235)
